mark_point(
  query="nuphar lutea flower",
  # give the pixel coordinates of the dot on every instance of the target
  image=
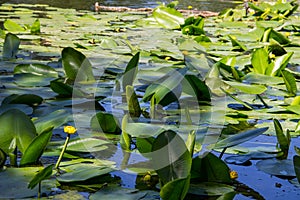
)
(69, 129)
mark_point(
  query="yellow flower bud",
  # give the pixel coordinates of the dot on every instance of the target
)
(272, 56)
(167, 58)
(287, 34)
(190, 7)
(233, 174)
(147, 177)
(69, 129)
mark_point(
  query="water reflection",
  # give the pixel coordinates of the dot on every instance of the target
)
(211, 5)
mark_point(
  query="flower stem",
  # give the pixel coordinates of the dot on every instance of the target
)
(62, 152)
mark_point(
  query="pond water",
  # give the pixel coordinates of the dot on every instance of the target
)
(211, 5)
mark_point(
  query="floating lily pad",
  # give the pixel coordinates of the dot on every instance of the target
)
(16, 182)
(283, 168)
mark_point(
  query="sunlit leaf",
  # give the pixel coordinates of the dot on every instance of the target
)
(170, 156)
(125, 140)
(17, 131)
(35, 27)
(247, 88)
(131, 71)
(168, 17)
(12, 26)
(210, 169)
(280, 63)
(193, 86)
(132, 102)
(76, 65)
(36, 148)
(54, 119)
(36, 69)
(87, 145)
(176, 189)
(290, 82)
(84, 173)
(105, 122)
(167, 89)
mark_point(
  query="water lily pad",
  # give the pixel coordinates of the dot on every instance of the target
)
(84, 173)
(87, 145)
(210, 189)
(283, 168)
(16, 182)
(112, 192)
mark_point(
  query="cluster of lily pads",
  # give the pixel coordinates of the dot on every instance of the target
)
(161, 91)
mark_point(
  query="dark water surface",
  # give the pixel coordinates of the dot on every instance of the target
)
(211, 5)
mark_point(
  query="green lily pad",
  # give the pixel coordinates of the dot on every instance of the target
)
(16, 182)
(84, 172)
(112, 192)
(87, 145)
(275, 167)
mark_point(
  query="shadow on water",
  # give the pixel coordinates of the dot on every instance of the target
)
(211, 5)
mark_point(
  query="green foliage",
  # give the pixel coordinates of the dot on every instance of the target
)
(76, 65)
(17, 131)
(168, 17)
(35, 27)
(131, 71)
(12, 26)
(105, 122)
(132, 102)
(43, 174)
(193, 26)
(283, 140)
(296, 162)
(36, 148)
(28, 99)
(167, 89)
(173, 162)
(210, 168)
(11, 46)
(239, 138)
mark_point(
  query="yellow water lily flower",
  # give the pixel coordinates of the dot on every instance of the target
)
(70, 129)
(233, 174)
(190, 7)
(167, 58)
